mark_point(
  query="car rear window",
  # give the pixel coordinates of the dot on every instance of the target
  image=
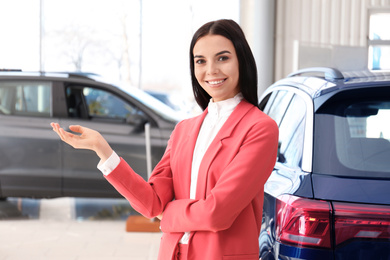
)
(25, 98)
(352, 134)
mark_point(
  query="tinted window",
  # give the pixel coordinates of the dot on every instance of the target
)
(291, 133)
(267, 101)
(277, 105)
(25, 98)
(353, 134)
(92, 103)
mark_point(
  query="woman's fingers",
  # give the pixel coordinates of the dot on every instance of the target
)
(84, 141)
(67, 137)
(76, 128)
(56, 128)
(88, 139)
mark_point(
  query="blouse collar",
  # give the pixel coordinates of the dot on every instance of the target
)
(220, 108)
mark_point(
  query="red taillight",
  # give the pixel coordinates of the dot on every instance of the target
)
(308, 223)
(303, 222)
(354, 221)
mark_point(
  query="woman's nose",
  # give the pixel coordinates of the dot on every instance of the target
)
(212, 68)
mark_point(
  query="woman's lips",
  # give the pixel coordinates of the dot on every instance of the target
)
(215, 82)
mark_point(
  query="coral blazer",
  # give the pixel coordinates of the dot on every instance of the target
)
(225, 218)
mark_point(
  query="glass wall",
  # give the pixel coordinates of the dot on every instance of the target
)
(143, 43)
(379, 40)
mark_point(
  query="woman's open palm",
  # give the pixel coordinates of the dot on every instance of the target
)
(88, 139)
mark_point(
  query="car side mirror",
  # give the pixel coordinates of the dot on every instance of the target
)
(138, 120)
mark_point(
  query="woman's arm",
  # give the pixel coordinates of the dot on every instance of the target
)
(148, 198)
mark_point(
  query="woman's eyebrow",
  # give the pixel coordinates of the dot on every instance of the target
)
(219, 53)
(222, 52)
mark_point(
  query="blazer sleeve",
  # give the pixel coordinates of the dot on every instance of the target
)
(240, 182)
(148, 198)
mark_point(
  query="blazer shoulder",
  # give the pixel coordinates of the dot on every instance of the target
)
(255, 115)
(187, 127)
(190, 122)
(248, 119)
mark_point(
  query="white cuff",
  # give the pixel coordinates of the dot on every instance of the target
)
(110, 164)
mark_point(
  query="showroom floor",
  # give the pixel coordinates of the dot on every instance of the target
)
(71, 228)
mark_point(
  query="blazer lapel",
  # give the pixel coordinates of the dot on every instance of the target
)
(242, 108)
(188, 150)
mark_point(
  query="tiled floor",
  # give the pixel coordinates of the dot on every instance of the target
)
(57, 232)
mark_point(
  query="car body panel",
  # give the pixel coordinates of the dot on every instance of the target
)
(363, 249)
(359, 190)
(23, 142)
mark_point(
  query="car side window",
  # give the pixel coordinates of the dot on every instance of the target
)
(266, 102)
(94, 103)
(276, 106)
(291, 133)
(25, 98)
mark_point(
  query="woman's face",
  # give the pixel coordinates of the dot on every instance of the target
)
(216, 67)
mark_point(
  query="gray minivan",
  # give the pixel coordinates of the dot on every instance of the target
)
(35, 163)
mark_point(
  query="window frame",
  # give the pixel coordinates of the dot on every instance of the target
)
(307, 153)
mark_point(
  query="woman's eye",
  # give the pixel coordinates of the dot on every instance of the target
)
(223, 58)
(200, 61)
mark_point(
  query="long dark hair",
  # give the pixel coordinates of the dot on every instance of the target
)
(247, 65)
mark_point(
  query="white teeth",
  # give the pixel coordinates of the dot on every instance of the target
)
(216, 82)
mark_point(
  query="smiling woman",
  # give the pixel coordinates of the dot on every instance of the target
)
(216, 67)
(217, 48)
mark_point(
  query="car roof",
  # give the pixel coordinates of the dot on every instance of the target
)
(319, 81)
(4, 73)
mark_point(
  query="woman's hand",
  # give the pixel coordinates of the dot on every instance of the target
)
(88, 139)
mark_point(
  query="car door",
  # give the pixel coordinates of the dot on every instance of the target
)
(30, 160)
(122, 125)
(288, 107)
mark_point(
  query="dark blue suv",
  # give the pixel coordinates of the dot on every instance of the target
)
(329, 194)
